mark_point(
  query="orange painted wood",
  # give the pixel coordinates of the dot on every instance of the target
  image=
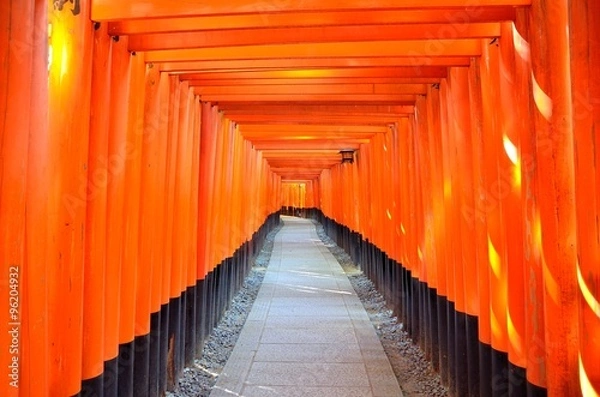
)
(449, 189)
(69, 83)
(309, 145)
(585, 59)
(208, 136)
(156, 122)
(315, 109)
(337, 98)
(130, 265)
(17, 92)
(321, 34)
(514, 121)
(436, 225)
(439, 254)
(463, 136)
(322, 89)
(289, 18)
(309, 62)
(492, 198)
(374, 120)
(404, 192)
(555, 157)
(150, 212)
(181, 184)
(414, 70)
(475, 215)
(113, 10)
(426, 234)
(532, 244)
(115, 163)
(296, 129)
(96, 196)
(217, 176)
(190, 180)
(412, 222)
(159, 124)
(168, 289)
(235, 235)
(194, 273)
(34, 357)
(395, 191)
(257, 83)
(419, 50)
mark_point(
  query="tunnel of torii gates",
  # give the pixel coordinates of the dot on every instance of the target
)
(148, 146)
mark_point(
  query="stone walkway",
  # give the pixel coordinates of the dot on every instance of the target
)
(307, 334)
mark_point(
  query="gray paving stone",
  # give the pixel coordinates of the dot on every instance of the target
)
(308, 374)
(309, 352)
(307, 333)
(295, 391)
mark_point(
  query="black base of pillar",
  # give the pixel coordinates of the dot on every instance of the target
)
(93, 387)
(517, 382)
(126, 361)
(461, 363)
(141, 365)
(499, 373)
(536, 391)
(111, 378)
(473, 354)
(154, 359)
(164, 347)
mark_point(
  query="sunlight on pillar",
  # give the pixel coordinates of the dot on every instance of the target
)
(495, 325)
(513, 155)
(514, 338)
(587, 389)
(447, 188)
(521, 45)
(510, 149)
(58, 49)
(49, 46)
(587, 294)
(494, 258)
(541, 99)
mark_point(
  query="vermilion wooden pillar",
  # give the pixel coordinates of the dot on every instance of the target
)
(552, 95)
(439, 227)
(96, 194)
(494, 194)
(584, 32)
(534, 339)
(115, 164)
(131, 170)
(468, 281)
(69, 90)
(25, 185)
(206, 185)
(152, 243)
(34, 315)
(514, 124)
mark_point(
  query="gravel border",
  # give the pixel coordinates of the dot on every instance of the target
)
(415, 374)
